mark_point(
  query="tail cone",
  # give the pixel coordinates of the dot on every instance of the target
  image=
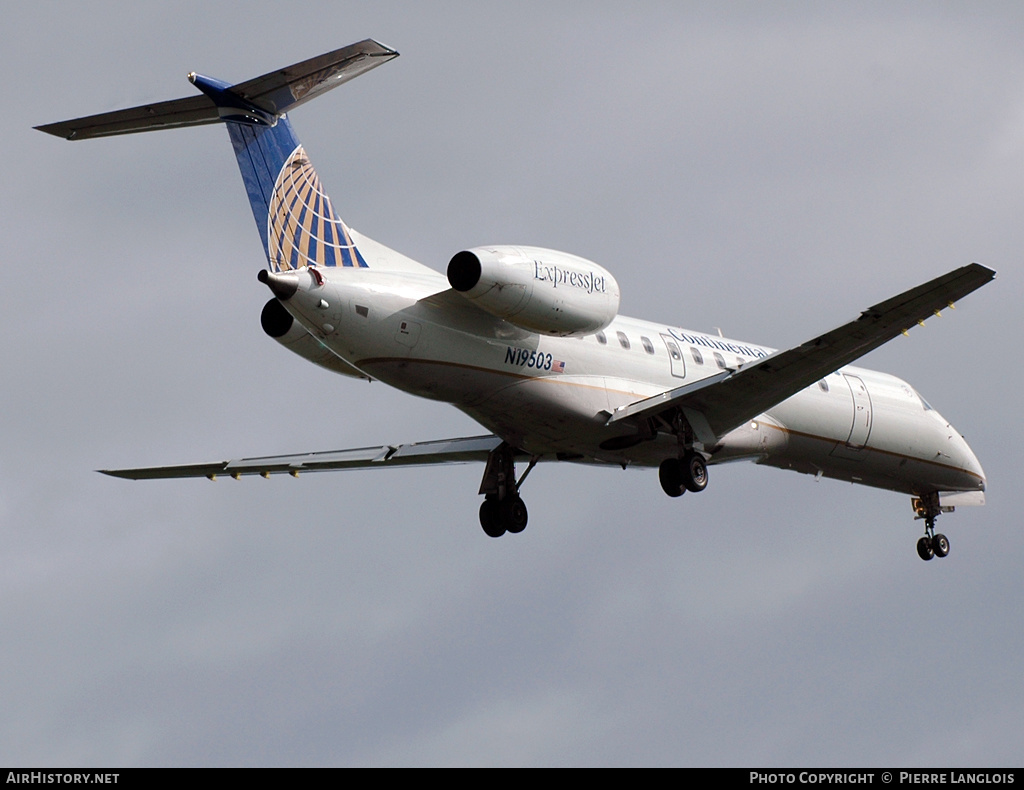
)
(284, 286)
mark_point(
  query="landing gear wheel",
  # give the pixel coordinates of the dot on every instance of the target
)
(490, 518)
(513, 515)
(670, 473)
(695, 472)
(925, 549)
(940, 545)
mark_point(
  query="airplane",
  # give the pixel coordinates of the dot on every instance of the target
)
(529, 343)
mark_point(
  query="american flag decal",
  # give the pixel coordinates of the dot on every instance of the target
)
(558, 366)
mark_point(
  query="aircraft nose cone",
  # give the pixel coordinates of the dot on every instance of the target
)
(974, 467)
(284, 285)
(970, 464)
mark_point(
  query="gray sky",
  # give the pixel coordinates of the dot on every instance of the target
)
(770, 170)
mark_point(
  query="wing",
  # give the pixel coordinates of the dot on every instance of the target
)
(716, 405)
(447, 451)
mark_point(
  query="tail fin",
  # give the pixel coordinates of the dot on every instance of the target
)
(295, 217)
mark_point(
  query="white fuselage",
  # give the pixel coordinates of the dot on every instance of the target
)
(552, 396)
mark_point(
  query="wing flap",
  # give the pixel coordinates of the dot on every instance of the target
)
(447, 451)
(730, 399)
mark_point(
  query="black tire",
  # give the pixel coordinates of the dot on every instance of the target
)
(695, 472)
(924, 548)
(490, 519)
(940, 545)
(514, 515)
(670, 473)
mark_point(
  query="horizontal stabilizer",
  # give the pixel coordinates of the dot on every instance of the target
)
(729, 400)
(281, 90)
(446, 451)
(273, 94)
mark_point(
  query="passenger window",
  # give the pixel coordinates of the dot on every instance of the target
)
(601, 338)
(647, 344)
(823, 385)
(623, 340)
(696, 355)
(720, 361)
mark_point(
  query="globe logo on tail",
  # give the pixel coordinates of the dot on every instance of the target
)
(302, 227)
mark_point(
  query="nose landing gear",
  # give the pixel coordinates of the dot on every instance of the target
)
(932, 544)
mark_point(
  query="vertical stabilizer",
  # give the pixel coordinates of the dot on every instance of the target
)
(295, 216)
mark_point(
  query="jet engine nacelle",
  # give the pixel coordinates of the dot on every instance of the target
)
(279, 324)
(546, 291)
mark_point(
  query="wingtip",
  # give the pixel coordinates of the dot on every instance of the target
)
(390, 52)
(982, 267)
(57, 130)
(115, 473)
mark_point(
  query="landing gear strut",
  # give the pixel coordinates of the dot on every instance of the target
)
(932, 544)
(503, 510)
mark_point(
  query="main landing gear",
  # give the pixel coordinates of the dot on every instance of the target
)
(679, 475)
(503, 510)
(932, 544)
(689, 470)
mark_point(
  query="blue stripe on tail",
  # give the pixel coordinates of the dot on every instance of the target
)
(295, 217)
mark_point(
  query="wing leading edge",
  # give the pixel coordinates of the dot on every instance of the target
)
(716, 405)
(446, 451)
